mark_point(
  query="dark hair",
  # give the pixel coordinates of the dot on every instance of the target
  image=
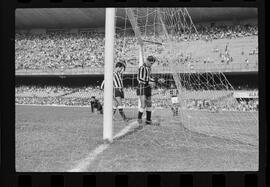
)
(120, 64)
(93, 97)
(151, 59)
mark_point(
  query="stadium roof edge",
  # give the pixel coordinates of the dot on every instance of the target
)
(51, 18)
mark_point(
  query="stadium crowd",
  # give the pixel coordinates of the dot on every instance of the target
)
(209, 33)
(63, 50)
(60, 95)
(240, 105)
(57, 50)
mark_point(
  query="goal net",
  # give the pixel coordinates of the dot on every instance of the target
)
(207, 115)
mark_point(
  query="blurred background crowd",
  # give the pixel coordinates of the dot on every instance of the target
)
(60, 50)
(63, 50)
(60, 95)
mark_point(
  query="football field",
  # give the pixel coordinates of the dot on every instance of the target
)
(59, 139)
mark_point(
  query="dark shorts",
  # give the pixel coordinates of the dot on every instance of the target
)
(144, 90)
(99, 107)
(118, 93)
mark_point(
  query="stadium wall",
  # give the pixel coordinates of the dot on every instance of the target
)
(32, 31)
(251, 21)
(238, 81)
(233, 68)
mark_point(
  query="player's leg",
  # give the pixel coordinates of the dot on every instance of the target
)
(115, 105)
(175, 106)
(141, 100)
(120, 107)
(176, 110)
(173, 110)
(148, 110)
(172, 107)
(100, 109)
(149, 120)
(115, 102)
(148, 103)
(142, 106)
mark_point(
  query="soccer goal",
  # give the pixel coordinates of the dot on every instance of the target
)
(206, 106)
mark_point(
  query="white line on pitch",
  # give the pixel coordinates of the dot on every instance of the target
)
(125, 130)
(85, 163)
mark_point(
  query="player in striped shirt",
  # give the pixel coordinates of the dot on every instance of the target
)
(118, 93)
(144, 90)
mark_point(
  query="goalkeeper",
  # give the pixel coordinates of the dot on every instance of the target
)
(144, 90)
(95, 104)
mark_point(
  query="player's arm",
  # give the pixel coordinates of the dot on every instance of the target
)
(153, 79)
(92, 107)
(102, 85)
(157, 80)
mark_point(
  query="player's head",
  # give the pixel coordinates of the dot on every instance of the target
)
(120, 66)
(93, 98)
(150, 61)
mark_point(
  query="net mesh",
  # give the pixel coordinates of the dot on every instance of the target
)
(207, 109)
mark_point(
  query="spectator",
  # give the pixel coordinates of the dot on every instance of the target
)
(62, 50)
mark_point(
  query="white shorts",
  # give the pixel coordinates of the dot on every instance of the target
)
(175, 100)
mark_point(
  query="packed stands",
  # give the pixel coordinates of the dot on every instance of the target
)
(214, 46)
(59, 95)
(64, 51)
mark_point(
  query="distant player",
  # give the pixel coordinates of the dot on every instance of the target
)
(213, 108)
(118, 86)
(174, 98)
(144, 91)
(95, 104)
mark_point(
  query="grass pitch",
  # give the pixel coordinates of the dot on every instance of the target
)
(55, 139)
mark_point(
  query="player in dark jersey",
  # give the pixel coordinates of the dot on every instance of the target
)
(95, 104)
(144, 90)
(174, 98)
(118, 93)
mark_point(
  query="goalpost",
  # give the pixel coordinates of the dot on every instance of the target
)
(108, 75)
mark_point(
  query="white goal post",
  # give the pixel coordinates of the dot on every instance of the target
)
(108, 75)
(108, 67)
